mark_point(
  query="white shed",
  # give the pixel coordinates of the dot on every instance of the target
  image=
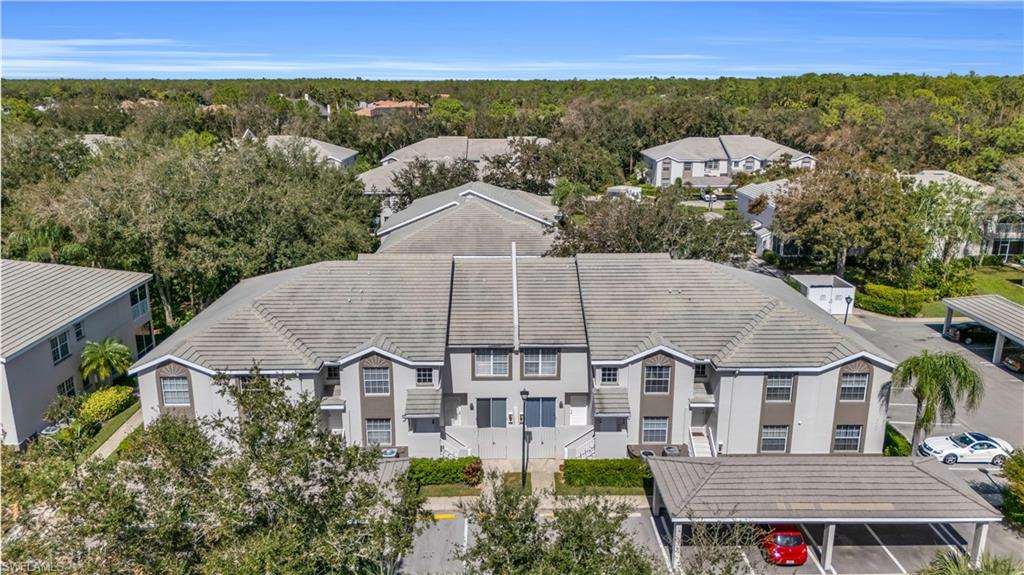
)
(830, 293)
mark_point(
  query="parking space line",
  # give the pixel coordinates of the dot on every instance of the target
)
(884, 548)
(814, 554)
(943, 537)
(661, 545)
(747, 561)
(952, 536)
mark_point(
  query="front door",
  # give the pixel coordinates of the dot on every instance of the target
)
(492, 426)
(578, 409)
(540, 425)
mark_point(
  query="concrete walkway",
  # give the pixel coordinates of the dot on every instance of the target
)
(110, 445)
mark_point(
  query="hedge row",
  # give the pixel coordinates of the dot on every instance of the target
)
(442, 471)
(1013, 493)
(605, 472)
(895, 443)
(894, 301)
(106, 403)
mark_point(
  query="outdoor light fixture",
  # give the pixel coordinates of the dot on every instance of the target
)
(849, 300)
(525, 395)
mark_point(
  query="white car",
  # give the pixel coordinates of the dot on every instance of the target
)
(968, 447)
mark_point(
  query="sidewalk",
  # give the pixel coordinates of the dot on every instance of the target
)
(110, 445)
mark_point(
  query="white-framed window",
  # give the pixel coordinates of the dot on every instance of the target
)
(805, 163)
(140, 302)
(700, 371)
(853, 387)
(67, 387)
(334, 372)
(666, 171)
(735, 163)
(79, 328)
(424, 376)
(778, 387)
(378, 431)
(847, 438)
(376, 381)
(711, 165)
(59, 348)
(774, 438)
(656, 378)
(540, 362)
(609, 376)
(655, 430)
(491, 362)
(748, 164)
(174, 390)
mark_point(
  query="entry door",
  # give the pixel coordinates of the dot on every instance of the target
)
(578, 409)
(540, 422)
(491, 422)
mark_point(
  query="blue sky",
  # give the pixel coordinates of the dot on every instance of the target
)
(492, 40)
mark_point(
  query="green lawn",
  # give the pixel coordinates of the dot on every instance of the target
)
(449, 490)
(987, 280)
(109, 427)
(562, 489)
(514, 479)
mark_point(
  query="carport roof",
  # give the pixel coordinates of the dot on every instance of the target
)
(993, 311)
(816, 489)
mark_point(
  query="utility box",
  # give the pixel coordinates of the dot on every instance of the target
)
(830, 293)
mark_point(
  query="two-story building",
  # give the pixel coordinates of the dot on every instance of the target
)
(712, 162)
(49, 312)
(440, 355)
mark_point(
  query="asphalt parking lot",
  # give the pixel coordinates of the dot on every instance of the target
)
(435, 549)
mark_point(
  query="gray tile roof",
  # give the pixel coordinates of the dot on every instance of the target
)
(322, 150)
(611, 401)
(994, 311)
(708, 181)
(926, 177)
(475, 227)
(772, 188)
(458, 147)
(423, 402)
(723, 147)
(378, 180)
(481, 313)
(40, 299)
(298, 318)
(512, 201)
(550, 309)
(705, 310)
(852, 489)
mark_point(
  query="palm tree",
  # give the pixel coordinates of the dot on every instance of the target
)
(940, 381)
(105, 358)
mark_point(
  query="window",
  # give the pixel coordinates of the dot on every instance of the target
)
(847, 438)
(540, 362)
(174, 390)
(79, 330)
(376, 380)
(656, 378)
(424, 376)
(853, 387)
(334, 372)
(67, 387)
(666, 172)
(655, 430)
(805, 163)
(540, 412)
(491, 412)
(378, 431)
(711, 165)
(59, 348)
(773, 437)
(735, 163)
(748, 164)
(144, 338)
(140, 302)
(609, 376)
(779, 388)
(700, 371)
(491, 362)
(687, 167)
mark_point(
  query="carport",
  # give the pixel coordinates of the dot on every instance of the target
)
(995, 312)
(815, 489)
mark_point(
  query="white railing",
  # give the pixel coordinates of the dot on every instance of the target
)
(711, 439)
(586, 448)
(451, 447)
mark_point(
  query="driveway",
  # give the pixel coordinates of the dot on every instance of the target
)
(1003, 403)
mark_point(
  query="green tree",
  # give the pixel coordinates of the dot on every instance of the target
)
(939, 381)
(449, 114)
(525, 167)
(422, 177)
(105, 358)
(950, 215)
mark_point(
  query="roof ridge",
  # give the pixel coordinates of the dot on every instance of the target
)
(747, 330)
(278, 326)
(923, 463)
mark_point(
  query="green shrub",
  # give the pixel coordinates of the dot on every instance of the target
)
(106, 403)
(894, 301)
(730, 205)
(442, 471)
(605, 472)
(895, 444)
(771, 257)
(1013, 494)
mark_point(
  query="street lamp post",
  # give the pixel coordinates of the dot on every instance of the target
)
(524, 394)
(849, 300)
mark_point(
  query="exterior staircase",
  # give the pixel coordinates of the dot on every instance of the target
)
(701, 443)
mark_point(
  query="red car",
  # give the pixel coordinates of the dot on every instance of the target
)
(784, 545)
